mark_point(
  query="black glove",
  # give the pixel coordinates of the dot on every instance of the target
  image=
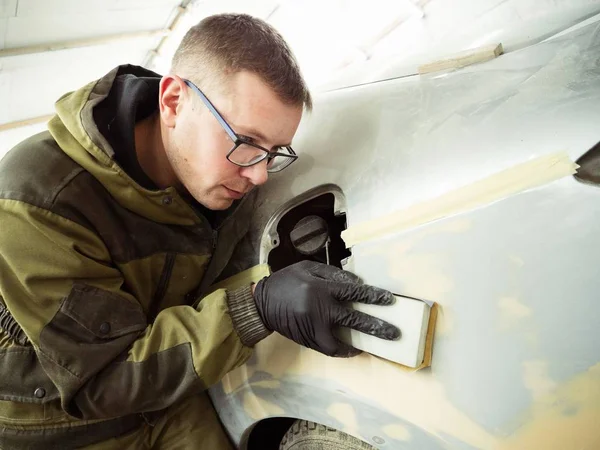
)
(305, 301)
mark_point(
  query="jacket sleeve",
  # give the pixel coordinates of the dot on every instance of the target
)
(91, 336)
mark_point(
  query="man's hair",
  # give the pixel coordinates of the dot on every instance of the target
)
(225, 44)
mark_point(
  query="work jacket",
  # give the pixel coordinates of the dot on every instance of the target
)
(104, 311)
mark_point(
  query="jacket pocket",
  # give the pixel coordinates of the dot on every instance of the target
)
(92, 329)
(101, 314)
(22, 378)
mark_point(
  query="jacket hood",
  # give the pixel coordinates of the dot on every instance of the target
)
(74, 129)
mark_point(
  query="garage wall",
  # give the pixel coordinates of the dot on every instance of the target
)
(338, 42)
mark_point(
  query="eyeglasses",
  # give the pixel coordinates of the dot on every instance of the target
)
(245, 153)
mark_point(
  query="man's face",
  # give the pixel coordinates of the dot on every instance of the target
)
(196, 144)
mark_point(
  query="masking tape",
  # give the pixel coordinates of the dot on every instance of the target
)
(534, 173)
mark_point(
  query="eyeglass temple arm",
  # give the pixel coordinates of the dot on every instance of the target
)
(214, 111)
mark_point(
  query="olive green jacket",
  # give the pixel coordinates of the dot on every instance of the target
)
(103, 308)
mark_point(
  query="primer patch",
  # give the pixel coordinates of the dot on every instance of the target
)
(397, 431)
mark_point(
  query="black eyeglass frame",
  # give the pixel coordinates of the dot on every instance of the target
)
(237, 140)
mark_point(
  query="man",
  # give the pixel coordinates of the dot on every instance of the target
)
(113, 226)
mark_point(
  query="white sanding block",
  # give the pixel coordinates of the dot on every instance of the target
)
(410, 315)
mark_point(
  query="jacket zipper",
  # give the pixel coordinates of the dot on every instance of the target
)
(192, 298)
(163, 284)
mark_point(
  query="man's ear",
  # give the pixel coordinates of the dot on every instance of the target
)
(170, 99)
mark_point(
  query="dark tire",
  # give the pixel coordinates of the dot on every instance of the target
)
(304, 435)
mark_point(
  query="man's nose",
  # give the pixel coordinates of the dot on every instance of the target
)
(257, 174)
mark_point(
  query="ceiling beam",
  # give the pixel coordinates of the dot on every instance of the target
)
(180, 13)
(78, 43)
(24, 123)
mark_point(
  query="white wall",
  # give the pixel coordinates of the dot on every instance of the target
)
(337, 42)
(10, 138)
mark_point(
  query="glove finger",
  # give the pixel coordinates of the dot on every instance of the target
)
(365, 323)
(332, 273)
(346, 351)
(327, 343)
(361, 293)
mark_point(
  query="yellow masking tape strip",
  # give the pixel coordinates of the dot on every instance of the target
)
(463, 59)
(521, 177)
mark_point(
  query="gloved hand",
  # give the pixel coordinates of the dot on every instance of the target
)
(306, 301)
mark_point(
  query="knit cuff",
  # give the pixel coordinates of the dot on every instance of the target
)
(245, 317)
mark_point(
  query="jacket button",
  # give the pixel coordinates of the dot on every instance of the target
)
(40, 392)
(104, 328)
(167, 200)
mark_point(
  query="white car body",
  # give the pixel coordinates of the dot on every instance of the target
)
(516, 360)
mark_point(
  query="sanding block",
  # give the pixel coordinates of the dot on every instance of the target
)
(416, 321)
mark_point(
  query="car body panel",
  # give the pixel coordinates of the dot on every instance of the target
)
(516, 363)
